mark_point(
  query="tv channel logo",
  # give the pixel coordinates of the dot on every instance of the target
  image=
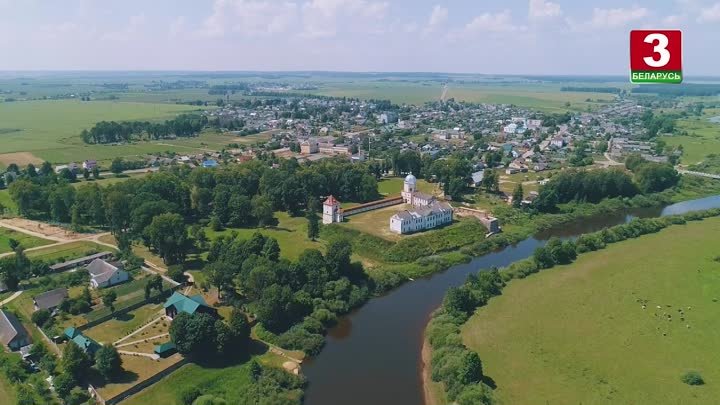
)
(656, 56)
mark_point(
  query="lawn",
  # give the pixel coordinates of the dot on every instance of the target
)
(703, 138)
(230, 383)
(136, 369)
(579, 333)
(25, 240)
(67, 251)
(376, 222)
(7, 202)
(291, 234)
(122, 325)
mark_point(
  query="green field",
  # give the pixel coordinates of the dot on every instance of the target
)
(703, 138)
(50, 130)
(578, 334)
(7, 202)
(394, 185)
(546, 97)
(67, 251)
(25, 240)
(291, 234)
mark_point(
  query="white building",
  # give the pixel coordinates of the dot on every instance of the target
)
(104, 274)
(413, 197)
(422, 218)
(332, 211)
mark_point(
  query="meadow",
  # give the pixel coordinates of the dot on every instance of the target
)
(50, 130)
(597, 331)
(703, 137)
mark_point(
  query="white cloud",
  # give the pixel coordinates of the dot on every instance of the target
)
(177, 26)
(540, 9)
(493, 22)
(129, 32)
(250, 17)
(604, 18)
(673, 20)
(320, 17)
(438, 16)
(710, 14)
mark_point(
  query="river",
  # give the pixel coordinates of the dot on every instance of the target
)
(373, 356)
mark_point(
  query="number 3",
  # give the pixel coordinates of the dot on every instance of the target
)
(660, 48)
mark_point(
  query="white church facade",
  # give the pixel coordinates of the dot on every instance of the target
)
(428, 213)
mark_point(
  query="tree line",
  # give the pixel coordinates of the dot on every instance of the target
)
(184, 125)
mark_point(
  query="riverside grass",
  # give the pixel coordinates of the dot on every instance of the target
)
(598, 300)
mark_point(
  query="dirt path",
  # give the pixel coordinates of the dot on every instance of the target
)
(429, 393)
(10, 298)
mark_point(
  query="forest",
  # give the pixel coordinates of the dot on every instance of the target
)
(184, 125)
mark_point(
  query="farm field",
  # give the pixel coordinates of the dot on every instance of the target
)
(26, 241)
(290, 232)
(50, 130)
(529, 337)
(547, 97)
(703, 138)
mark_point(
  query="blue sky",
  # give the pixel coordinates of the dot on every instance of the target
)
(477, 36)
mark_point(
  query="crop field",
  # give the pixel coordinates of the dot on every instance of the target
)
(703, 138)
(539, 96)
(50, 130)
(620, 325)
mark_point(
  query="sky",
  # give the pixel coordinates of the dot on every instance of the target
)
(544, 37)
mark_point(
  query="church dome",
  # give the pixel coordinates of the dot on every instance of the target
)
(410, 179)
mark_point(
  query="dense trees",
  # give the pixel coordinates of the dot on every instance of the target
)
(183, 125)
(584, 186)
(202, 335)
(167, 235)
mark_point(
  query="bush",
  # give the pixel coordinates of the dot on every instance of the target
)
(40, 317)
(188, 395)
(693, 378)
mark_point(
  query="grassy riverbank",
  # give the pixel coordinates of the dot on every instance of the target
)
(603, 334)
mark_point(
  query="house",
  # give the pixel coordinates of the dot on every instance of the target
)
(165, 350)
(88, 345)
(419, 219)
(12, 333)
(210, 163)
(477, 178)
(178, 303)
(309, 147)
(50, 299)
(89, 164)
(105, 274)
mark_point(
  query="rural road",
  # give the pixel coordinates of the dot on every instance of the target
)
(10, 298)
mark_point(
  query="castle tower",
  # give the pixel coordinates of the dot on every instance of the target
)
(409, 188)
(331, 211)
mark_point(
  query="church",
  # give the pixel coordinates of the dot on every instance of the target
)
(428, 213)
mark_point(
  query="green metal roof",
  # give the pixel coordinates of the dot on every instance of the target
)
(71, 332)
(165, 347)
(85, 343)
(184, 303)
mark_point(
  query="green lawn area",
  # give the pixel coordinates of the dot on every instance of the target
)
(7, 392)
(376, 222)
(7, 202)
(121, 326)
(230, 383)
(578, 334)
(703, 138)
(291, 234)
(25, 240)
(136, 369)
(67, 251)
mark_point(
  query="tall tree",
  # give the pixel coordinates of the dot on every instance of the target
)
(313, 230)
(108, 361)
(167, 234)
(517, 196)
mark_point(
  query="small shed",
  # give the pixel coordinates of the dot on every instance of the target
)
(166, 349)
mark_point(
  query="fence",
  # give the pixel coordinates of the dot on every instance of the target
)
(137, 387)
(130, 307)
